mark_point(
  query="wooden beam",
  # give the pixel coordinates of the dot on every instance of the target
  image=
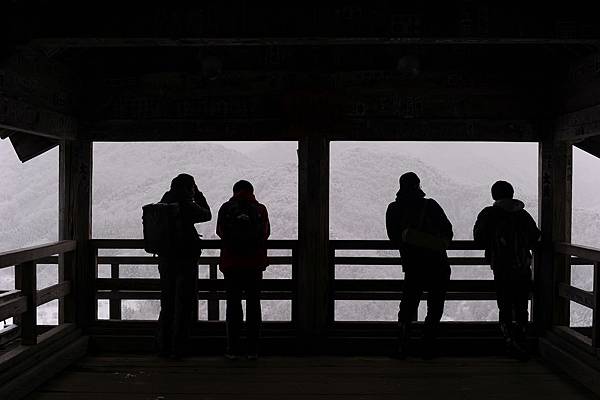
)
(579, 125)
(580, 296)
(377, 129)
(553, 268)
(75, 208)
(14, 257)
(580, 87)
(20, 116)
(53, 292)
(29, 146)
(92, 42)
(589, 254)
(315, 305)
(596, 314)
(13, 308)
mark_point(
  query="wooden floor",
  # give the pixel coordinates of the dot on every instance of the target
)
(133, 378)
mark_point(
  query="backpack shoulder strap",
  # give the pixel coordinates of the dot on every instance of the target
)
(422, 215)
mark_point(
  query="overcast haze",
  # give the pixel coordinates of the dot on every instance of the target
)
(364, 179)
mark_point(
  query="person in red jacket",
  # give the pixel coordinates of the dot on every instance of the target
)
(243, 225)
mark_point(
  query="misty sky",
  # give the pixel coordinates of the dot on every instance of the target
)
(464, 162)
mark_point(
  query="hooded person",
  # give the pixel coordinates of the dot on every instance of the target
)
(509, 233)
(243, 225)
(425, 267)
(178, 267)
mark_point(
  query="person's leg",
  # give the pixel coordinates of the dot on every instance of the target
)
(253, 311)
(411, 297)
(167, 304)
(522, 287)
(503, 299)
(437, 284)
(409, 304)
(234, 313)
(185, 299)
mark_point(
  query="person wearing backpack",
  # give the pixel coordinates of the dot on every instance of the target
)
(421, 231)
(178, 265)
(509, 233)
(243, 225)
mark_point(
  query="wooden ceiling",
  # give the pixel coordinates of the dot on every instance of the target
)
(465, 70)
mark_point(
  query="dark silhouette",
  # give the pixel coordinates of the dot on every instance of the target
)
(243, 224)
(178, 267)
(508, 233)
(421, 230)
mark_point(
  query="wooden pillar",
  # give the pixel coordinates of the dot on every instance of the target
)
(26, 282)
(555, 186)
(76, 224)
(313, 277)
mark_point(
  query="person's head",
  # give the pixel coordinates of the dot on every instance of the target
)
(183, 184)
(243, 186)
(410, 184)
(502, 190)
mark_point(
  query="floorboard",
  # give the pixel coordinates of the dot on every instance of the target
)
(145, 377)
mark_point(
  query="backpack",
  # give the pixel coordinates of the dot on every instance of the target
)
(243, 227)
(162, 227)
(510, 243)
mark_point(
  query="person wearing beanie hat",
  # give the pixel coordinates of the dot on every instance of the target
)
(508, 233)
(424, 262)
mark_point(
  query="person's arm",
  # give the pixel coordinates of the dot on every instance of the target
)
(391, 223)
(533, 232)
(200, 208)
(445, 224)
(267, 231)
(480, 228)
(220, 218)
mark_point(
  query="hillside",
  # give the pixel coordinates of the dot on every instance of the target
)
(364, 179)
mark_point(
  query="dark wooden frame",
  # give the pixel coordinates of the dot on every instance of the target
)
(22, 302)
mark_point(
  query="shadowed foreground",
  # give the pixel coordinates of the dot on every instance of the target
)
(139, 377)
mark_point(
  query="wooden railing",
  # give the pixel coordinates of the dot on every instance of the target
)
(390, 289)
(21, 303)
(116, 289)
(581, 255)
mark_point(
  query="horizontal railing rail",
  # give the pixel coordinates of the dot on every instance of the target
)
(21, 304)
(391, 289)
(117, 288)
(35, 253)
(581, 255)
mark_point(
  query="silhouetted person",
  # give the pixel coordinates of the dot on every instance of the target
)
(421, 230)
(178, 267)
(508, 233)
(243, 226)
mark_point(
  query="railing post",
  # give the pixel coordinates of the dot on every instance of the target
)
(295, 283)
(213, 302)
(66, 305)
(114, 303)
(25, 281)
(596, 316)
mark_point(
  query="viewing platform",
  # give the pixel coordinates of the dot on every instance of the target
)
(348, 358)
(120, 377)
